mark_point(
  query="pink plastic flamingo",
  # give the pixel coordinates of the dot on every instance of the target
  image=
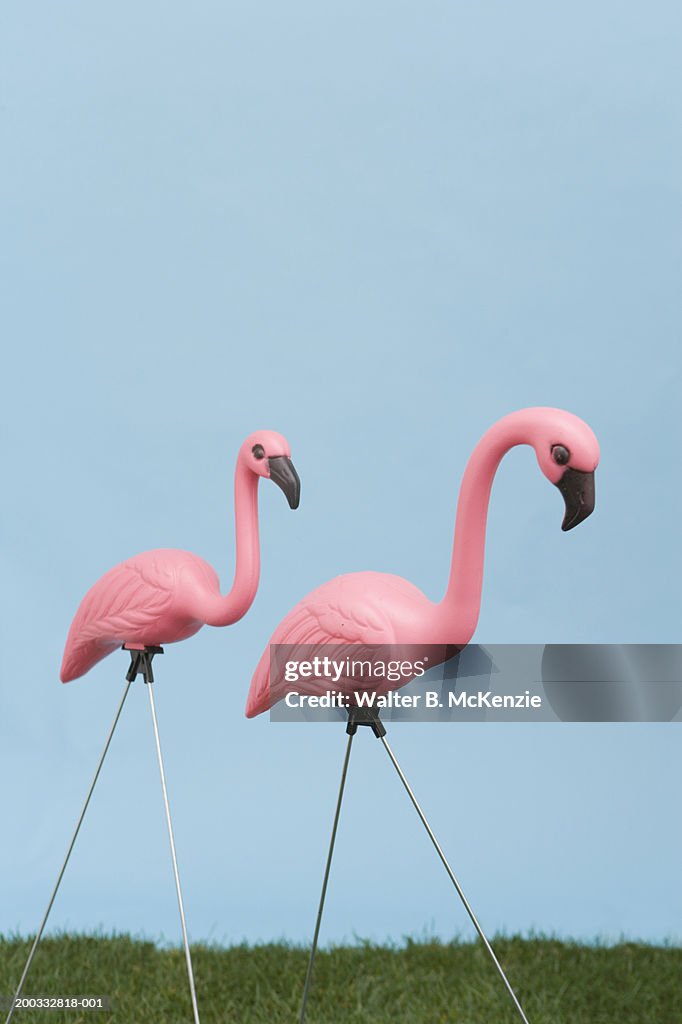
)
(160, 597)
(377, 608)
(165, 595)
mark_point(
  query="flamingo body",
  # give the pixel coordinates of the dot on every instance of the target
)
(362, 608)
(156, 597)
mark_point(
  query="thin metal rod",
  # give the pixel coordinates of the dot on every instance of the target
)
(169, 823)
(454, 881)
(41, 929)
(316, 935)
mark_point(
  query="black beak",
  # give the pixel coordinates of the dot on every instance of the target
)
(285, 476)
(578, 491)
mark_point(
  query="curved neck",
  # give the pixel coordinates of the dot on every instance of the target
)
(234, 605)
(462, 600)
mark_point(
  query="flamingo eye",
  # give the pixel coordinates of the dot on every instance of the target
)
(560, 454)
(258, 451)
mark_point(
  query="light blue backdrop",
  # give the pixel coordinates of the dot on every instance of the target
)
(375, 228)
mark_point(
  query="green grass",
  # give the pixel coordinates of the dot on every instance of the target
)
(420, 983)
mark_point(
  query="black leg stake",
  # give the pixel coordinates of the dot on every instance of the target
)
(370, 717)
(325, 880)
(39, 933)
(454, 881)
(141, 664)
(356, 717)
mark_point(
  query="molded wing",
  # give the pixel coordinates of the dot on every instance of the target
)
(341, 612)
(125, 606)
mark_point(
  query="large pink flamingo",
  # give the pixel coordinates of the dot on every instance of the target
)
(162, 596)
(379, 608)
(371, 608)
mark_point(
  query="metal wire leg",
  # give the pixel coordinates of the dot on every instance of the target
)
(454, 881)
(178, 890)
(309, 973)
(41, 929)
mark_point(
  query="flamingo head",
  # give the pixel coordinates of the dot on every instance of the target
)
(268, 454)
(568, 453)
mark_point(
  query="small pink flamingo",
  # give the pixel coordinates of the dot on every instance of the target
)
(371, 608)
(379, 608)
(162, 596)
